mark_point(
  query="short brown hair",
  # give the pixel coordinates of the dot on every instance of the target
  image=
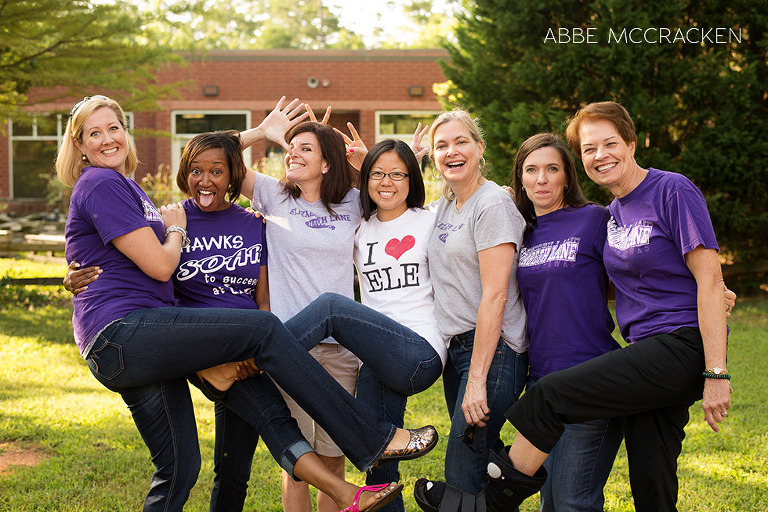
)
(600, 111)
(229, 142)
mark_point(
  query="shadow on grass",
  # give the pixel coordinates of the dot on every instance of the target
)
(48, 323)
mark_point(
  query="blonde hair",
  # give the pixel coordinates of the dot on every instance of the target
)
(69, 160)
(471, 124)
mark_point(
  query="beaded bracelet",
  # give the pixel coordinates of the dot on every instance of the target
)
(711, 375)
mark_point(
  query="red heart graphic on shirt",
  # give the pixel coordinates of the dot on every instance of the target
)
(397, 248)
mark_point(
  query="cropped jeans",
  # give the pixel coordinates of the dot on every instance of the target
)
(465, 466)
(146, 355)
(580, 464)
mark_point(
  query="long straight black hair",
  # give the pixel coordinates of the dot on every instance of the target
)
(416, 193)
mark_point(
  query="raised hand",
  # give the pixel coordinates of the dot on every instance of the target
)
(356, 149)
(276, 124)
(416, 146)
(312, 114)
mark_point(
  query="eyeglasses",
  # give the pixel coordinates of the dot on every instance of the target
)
(80, 103)
(394, 175)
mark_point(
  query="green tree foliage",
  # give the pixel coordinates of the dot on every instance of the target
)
(700, 108)
(200, 25)
(75, 47)
(427, 24)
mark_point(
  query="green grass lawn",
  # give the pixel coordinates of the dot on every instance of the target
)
(98, 462)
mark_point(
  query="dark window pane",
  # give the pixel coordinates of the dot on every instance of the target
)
(199, 123)
(32, 167)
(399, 124)
(23, 128)
(46, 125)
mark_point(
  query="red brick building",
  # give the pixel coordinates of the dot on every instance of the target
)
(384, 93)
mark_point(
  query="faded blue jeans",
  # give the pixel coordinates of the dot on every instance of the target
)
(146, 355)
(465, 466)
(580, 464)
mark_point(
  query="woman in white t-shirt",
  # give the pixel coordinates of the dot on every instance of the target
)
(394, 331)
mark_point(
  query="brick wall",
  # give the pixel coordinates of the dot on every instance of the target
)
(356, 84)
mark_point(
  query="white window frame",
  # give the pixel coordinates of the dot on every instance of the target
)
(179, 140)
(406, 137)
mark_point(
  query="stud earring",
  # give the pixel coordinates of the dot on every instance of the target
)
(85, 159)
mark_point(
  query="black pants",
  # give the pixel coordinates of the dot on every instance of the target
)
(652, 383)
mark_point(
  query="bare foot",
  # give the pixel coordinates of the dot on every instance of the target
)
(221, 377)
(366, 499)
(400, 440)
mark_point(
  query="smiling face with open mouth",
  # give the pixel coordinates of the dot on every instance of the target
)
(208, 180)
(456, 153)
(608, 160)
(104, 140)
(304, 163)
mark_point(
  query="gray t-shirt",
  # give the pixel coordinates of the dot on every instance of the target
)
(487, 219)
(310, 250)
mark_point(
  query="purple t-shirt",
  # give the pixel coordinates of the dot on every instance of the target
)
(564, 288)
(105, 205)
(221, 266)
(649, 232)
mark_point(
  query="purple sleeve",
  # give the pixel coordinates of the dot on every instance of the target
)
(688, 219)
(114, 210)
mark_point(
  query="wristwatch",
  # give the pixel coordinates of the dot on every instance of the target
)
(716, 373)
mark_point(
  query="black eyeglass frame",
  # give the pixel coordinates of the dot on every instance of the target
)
(385, 174)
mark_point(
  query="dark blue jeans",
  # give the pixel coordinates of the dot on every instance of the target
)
(397, 363)
(580, 464)
(146, 355)
(465, 466)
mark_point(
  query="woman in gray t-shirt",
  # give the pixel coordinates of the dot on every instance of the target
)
(473, 261)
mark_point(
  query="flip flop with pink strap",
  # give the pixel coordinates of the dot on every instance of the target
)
(392, 490)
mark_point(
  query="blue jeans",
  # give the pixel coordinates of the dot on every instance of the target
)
(579, 465)
(145, 356)
(397, 362)
(233, 451)
(465, 466)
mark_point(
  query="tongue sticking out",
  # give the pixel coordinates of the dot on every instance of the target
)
(205, 200)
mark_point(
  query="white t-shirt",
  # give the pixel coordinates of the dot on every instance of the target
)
(393, 272)
(310, 250)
